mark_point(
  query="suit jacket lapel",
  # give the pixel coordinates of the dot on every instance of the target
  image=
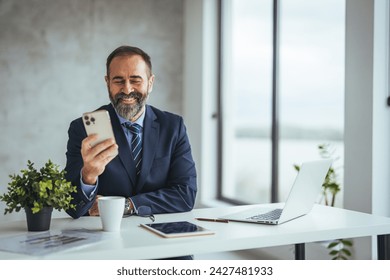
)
(151, 132)
(124, 150)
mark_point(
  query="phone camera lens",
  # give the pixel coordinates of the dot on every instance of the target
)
(93, 119)
(86, 118)
(87, 122)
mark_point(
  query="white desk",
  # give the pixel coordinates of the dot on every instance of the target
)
(133, 242)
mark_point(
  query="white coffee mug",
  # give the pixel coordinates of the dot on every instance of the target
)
(111, 210)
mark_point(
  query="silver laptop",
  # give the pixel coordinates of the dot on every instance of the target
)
(302, 197)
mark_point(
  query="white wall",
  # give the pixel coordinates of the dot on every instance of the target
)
(200, 91)
(367, 118)
(381, 112)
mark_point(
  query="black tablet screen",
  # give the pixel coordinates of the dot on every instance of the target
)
(176, 227)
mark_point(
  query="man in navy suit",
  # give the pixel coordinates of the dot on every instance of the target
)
(166, 181)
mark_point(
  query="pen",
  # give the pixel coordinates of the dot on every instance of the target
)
(212, 220)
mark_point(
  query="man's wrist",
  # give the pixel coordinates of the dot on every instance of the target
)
(87, 179)
(129, 207)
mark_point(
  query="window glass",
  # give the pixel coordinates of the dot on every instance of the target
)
(246, 95)
(311, 92)
(311, 84)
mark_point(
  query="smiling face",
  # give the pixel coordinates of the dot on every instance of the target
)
(129, 83)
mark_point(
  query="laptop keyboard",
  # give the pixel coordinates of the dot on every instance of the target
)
(268, 216)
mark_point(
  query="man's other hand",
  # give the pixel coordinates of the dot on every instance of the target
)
(94, 210)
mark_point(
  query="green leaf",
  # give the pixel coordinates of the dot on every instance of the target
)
(333, 244)
(347, 242)
(346, 251)
(37, 207)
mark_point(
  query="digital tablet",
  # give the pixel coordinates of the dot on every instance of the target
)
(176, 229)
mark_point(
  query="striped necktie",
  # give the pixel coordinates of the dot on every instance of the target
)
(136, 144)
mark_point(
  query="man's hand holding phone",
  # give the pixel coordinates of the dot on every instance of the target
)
(96, 157)
(99, 148)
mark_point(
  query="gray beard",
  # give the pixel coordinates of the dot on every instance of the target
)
(128, 112)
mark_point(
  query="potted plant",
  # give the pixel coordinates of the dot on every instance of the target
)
(38, 192)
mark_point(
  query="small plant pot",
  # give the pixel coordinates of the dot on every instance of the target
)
(39, 221)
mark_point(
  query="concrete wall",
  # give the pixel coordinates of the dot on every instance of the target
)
(52, 65)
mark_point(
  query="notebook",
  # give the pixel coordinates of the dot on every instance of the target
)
(301, 199)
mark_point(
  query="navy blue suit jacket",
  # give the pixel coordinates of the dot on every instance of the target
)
(167, 181)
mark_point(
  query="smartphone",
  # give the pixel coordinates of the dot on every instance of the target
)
(98, 122)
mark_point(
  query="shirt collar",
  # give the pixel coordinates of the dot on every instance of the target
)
(139, 121)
